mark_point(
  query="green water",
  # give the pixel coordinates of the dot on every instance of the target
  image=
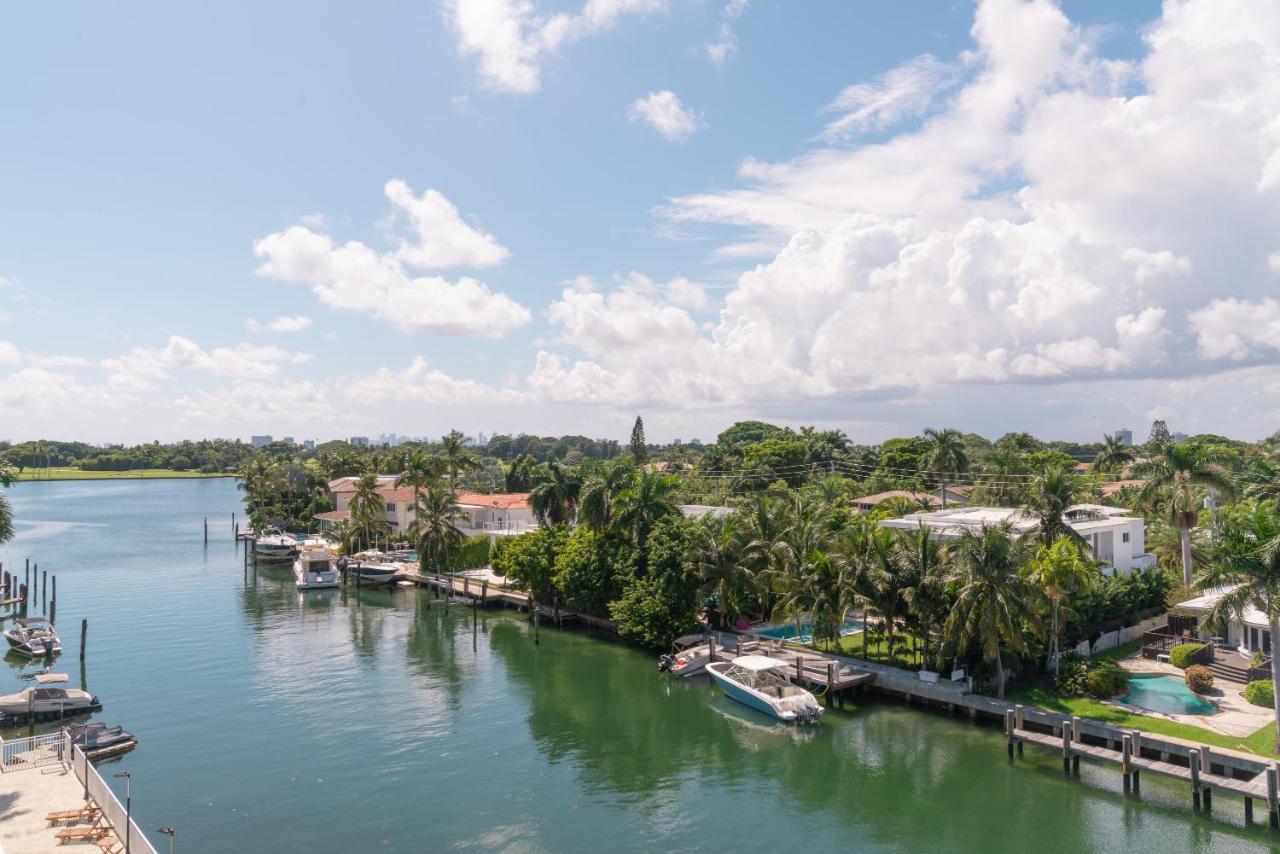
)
(271, 721)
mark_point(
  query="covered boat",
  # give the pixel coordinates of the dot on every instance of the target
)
(98, 740)
(44, 699)
(370, 574)
(761, 683)
(33, 637)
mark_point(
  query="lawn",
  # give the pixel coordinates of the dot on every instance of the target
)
(1260, 742)
(904, 649)
(57, 473)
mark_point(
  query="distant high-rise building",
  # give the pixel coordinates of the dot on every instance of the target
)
(1181, 437)
(1124, 434)
(288, 440)
(260, 441)
(309, 444)
(359, 441)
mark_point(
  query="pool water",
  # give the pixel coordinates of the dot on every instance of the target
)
(787, 631)
(1166, 694)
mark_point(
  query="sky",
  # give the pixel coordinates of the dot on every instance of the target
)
(549, 216)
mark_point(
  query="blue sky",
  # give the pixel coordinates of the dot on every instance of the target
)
(149, 148)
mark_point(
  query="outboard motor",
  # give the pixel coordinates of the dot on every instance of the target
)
(665, 663)
(48, 649)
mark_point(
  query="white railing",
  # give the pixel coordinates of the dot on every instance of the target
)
(106, 799)
(34, 751)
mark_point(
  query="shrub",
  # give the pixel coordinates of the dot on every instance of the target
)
(1072, 671)
(1199, 678)
(1107, 679)
(1261, 692)
(1183, 654)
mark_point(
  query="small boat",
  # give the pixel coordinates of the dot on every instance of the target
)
(371, 574)
(274, 544)
(34, 637)
(761, 683)
(43, 700)
(99, 740)
(313, 569)
(690, 655)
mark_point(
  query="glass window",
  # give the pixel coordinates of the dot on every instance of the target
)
(1124, 538)
(391, 507)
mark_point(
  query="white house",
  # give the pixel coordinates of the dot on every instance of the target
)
(1248, 632)
(501, 514)
(1115, 537)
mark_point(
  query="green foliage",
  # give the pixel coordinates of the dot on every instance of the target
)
(474, 553)
(774, 459)
(1072, 670)
(746, 432)
(1106, 679)
(1199, 678)
(530, 559)
(653, 612)
(1261, 692)
(1183, 654)
(905, 457)
(638, 447)
(584, 571)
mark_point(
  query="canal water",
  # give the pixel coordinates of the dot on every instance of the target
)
(345, 721)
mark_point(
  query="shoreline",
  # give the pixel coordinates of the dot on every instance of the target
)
(134, 474)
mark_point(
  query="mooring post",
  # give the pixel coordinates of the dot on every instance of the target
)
(711, 648)
(44, 591)
(536, 642)
(1008, 730)
(84, 634)
(206, 530)
(1066, 746)
(484, 591)
(1193, 757)
(831, 681)
(53, 611)
(1272, 818)
(1248, 810)
(1126, 754)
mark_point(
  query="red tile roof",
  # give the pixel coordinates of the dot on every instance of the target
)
(333, 515)
(497, 501)
(872, 500)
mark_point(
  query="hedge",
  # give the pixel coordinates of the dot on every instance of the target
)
(1199, 679)
(1185, 654)
(1106, 679)
(1261, 692)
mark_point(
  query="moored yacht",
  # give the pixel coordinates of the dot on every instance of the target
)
(274, 544)
(313, 569)
(44, 699)
(761, 683)
(33, 637)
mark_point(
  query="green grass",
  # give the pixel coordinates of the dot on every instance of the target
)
(1260, 742)
(1123, 651)
(904, 653)
(57, 473)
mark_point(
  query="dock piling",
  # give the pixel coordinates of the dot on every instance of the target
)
(1066, 746)
(1193, 757)
(1272, 818)
(206, 530)
(1008, 729)
(84, 634)
(1126, 759)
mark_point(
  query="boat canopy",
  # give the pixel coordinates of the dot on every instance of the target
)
(757, 663)
(51, 678)
(33, 621)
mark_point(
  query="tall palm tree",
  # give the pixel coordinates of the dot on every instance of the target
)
(1001, 468)
(947, 456)
(1173, 477)
(1114, 455)
(421, 472)
(6, 510)
(457, 458)
(1060, 571)
(434, 527)
(995, 602)
(1249, 558)
(647, 497)
(883, 585)
(595, 507)
(1049, 494)
(366, 506)
(554, 497)
(922, 563)
(719, 559)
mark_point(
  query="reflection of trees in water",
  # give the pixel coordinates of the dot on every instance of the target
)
(267, 592)
(433, 648)
(367, 610)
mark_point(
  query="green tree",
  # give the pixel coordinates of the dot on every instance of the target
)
(647, 498)
(434, 530)
(530, 559)
(947, 458)
(1114, 455)
(639, 450)
(598, 492)
(995, 602)
(719, 558)
(6, 510)
(1173, 478)
(1249, 558)
(367, 507)
(1049, 495)
(421, 472)
(1160, 435)
(457, 458)
(554, 497)
(1060, 572)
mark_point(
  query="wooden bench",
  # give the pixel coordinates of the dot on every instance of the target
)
(84, 813)
(94, 833)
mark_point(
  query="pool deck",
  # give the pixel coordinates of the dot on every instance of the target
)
(1236, 716)
(26, 796)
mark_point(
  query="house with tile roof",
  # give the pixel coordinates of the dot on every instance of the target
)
(499, 514)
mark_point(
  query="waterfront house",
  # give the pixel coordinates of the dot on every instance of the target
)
(957, 496)
(499, 513)
(1116, 538)
(1246, 633)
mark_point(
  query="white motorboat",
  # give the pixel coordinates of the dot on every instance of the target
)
(371, 574)
(43, 699)
(690, 656)
(33, 637)
(761, 683)
(274, 544)
(313, 569)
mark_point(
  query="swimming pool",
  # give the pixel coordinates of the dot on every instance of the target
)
(787, 631)
(1167, 694)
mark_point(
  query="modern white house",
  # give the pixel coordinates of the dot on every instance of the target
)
(1115, 537)
(1247, 633)
(501, 514)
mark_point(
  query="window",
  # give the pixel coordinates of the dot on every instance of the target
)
(391, 507)
(1124, 538)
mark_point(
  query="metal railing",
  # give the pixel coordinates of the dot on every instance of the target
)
(115, 812)
(34, 751)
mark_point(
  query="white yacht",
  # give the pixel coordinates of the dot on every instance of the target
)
(274, 544)
(43, 699)
(761, 683)
(314, 568)
(33, 637)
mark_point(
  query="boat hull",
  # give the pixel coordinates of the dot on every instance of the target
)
(746, 697)
(30, 649)
(370, 576)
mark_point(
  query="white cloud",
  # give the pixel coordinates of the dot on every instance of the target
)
(294, 402)
(663, 112)
(284, 323)
(9, 353)
(142, 367)
(511, 40)
(725, 42)
(355, 277)
(420, 383)
(1040, 224)
(904, 92)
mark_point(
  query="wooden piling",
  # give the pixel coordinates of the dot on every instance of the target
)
(1272, 818)
(799, 670)
(1193, 757)
(206, 530)
(831, 681)
(1066, 746)
(484, 591)
(1008, 730)
(1248, 810)
(711, 648)
(1126, 759)
(84, 635)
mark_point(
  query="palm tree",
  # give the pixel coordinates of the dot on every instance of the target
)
(6, 511)
(995, 603)
(1001, 468)
(1173, 476)
(1114, 455)
(1060, 572)
(596, 505)
(946, 457)
(719, 559)
(457, 458)
(639, 505)
(921, 563)
(1049, 495)
(366, 506)
(434, 527)
(1249, 558)
(554, 497)
(421, 472)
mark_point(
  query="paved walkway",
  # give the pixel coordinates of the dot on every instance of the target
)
(26, 796)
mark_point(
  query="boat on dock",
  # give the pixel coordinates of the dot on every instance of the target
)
(274, 544)
(371, 574)
(99, 740)
(42, 699)
(761, 683)
(313, 569)
(33, 637)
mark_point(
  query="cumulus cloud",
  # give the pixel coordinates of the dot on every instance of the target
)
(284, 323)
(142, 367)
(420, 383)
(664, 112)
(9, 353)
(725, 43)
(1041, 222)
(511, 39)
(356, 277)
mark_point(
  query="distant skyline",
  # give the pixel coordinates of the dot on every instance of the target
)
(549, 217)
